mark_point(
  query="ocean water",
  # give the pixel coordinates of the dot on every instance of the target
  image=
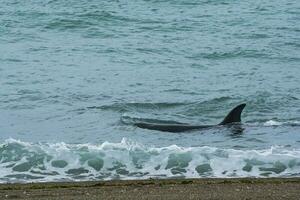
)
(75, 76)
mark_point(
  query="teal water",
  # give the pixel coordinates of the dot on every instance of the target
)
(72, 72)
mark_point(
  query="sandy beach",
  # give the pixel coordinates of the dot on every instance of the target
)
(242, 188)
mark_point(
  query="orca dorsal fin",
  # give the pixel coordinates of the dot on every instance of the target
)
(234, 115)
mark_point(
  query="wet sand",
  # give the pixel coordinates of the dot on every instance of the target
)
(233, 189)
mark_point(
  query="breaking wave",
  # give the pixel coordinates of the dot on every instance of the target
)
(27, 162)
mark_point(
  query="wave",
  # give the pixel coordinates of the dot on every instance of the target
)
(277, 123)
(229, 55)
(28, 162)
(131, 106)
(125, 107)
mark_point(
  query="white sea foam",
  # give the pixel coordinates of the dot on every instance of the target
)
(22, 162)
(272, 123)
(276, 123)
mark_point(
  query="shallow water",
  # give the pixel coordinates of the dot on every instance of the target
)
(72, 72)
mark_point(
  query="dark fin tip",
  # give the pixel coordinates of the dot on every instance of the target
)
(234, 116)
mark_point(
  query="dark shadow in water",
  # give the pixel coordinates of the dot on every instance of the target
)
(236, 130)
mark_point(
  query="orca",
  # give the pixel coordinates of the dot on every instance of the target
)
(233, 117)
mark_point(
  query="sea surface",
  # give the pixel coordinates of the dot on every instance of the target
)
(76, 74)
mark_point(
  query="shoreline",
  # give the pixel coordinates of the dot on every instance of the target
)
(206, 188)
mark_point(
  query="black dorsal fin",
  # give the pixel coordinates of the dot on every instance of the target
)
(234, 115)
